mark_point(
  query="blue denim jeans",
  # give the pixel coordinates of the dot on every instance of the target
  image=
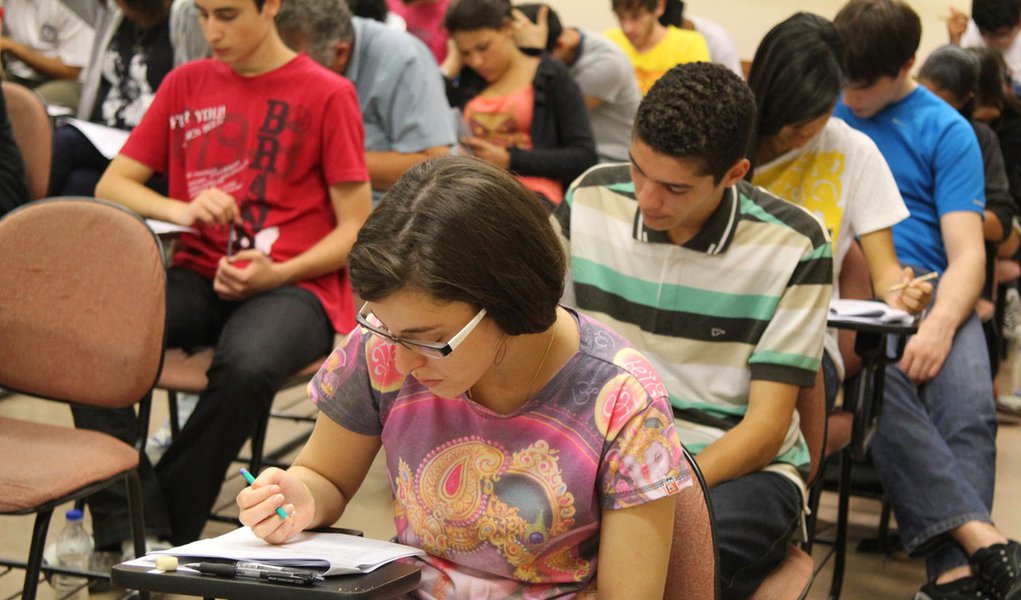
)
(935, 450)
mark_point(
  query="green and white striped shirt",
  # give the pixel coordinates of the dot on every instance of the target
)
(745, 299)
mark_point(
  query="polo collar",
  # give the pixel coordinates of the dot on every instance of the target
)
(715, 236)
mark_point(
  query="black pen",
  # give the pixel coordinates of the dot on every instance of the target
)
(263, 572)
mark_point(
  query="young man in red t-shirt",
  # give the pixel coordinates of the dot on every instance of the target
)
(263, 153)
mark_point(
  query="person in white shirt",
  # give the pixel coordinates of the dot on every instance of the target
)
(45, 44)
(806, 156)
(994, 24)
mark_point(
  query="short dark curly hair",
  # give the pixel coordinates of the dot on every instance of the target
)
(993, 15)
(699, 111)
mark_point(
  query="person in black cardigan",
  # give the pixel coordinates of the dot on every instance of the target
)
(561, 143)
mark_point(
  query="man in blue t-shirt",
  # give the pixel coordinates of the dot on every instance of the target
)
(935, 446)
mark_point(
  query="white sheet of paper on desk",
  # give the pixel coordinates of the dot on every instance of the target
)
(867, 311)
(164, 228)
(330, 553)
(108, 140)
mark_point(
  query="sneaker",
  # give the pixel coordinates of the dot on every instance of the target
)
(999, 566)
(158, 443)
(152, 544)
(966, 588)
(1009, 404)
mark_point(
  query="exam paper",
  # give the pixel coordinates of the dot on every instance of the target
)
(166, 228)
(329, 553)
(867, 311)
(108, 140)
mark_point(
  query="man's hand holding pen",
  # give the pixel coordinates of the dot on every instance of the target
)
(912, 294)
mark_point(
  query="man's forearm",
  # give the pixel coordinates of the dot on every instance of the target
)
(46, 66)
(739, 452)
(959, 289)
(385, 168)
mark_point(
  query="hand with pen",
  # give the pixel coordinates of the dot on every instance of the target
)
(912, 294)
(276, 489)
(212, 207)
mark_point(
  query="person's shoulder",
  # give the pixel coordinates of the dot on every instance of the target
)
(598, 50)
(552, 67)
(604, 345)
(757, 204)
(196, 72)
(684, 36)
(383, 41)
(985, 134)
(616, 35)
(614, 176)
(924, 103)
(839, 134)
(315, 76)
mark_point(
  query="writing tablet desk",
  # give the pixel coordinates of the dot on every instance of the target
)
(878, 345)
(388, 581)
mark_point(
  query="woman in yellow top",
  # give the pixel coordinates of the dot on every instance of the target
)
(806, 156)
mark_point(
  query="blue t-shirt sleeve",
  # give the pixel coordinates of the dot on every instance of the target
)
(959, 175)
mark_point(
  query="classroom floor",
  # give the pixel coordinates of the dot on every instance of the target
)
(868, 576)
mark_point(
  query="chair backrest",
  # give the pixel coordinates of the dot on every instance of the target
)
(855, 283)
(82, 305)
(33, 133)
(811, 407)
(693, 573)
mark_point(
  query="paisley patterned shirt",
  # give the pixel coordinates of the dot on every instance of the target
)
(510, 505)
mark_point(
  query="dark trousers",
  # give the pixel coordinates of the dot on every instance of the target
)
(755, 516)
(259, 342)
(78, 165)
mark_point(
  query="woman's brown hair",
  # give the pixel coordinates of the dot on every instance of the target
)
(460, 229)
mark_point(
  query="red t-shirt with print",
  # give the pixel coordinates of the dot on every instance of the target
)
(275, 142)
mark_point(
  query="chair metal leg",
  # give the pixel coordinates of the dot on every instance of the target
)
(814, 497)
(258, 443)
(843, 508)
(135, 508)
(175, 424)
(35, 554)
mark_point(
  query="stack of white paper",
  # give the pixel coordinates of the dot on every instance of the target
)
(329, 553)
(867, 311)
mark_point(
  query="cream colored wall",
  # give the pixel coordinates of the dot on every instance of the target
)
(748, 20)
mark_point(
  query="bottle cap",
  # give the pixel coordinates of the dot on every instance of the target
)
(75, 514)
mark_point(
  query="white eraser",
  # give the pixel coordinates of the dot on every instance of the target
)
(166, 563)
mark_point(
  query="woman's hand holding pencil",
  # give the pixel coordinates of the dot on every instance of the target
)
(276, 505)
(912, 293)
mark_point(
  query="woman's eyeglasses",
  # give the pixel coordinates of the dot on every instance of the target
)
(430, 349)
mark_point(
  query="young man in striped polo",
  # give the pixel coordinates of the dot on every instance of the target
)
(724, 287)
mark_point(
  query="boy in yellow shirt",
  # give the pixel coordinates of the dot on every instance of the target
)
(653, 48)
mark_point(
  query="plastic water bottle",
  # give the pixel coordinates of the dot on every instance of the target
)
(74, 548)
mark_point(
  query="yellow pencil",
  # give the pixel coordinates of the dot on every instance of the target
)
(919, 279)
